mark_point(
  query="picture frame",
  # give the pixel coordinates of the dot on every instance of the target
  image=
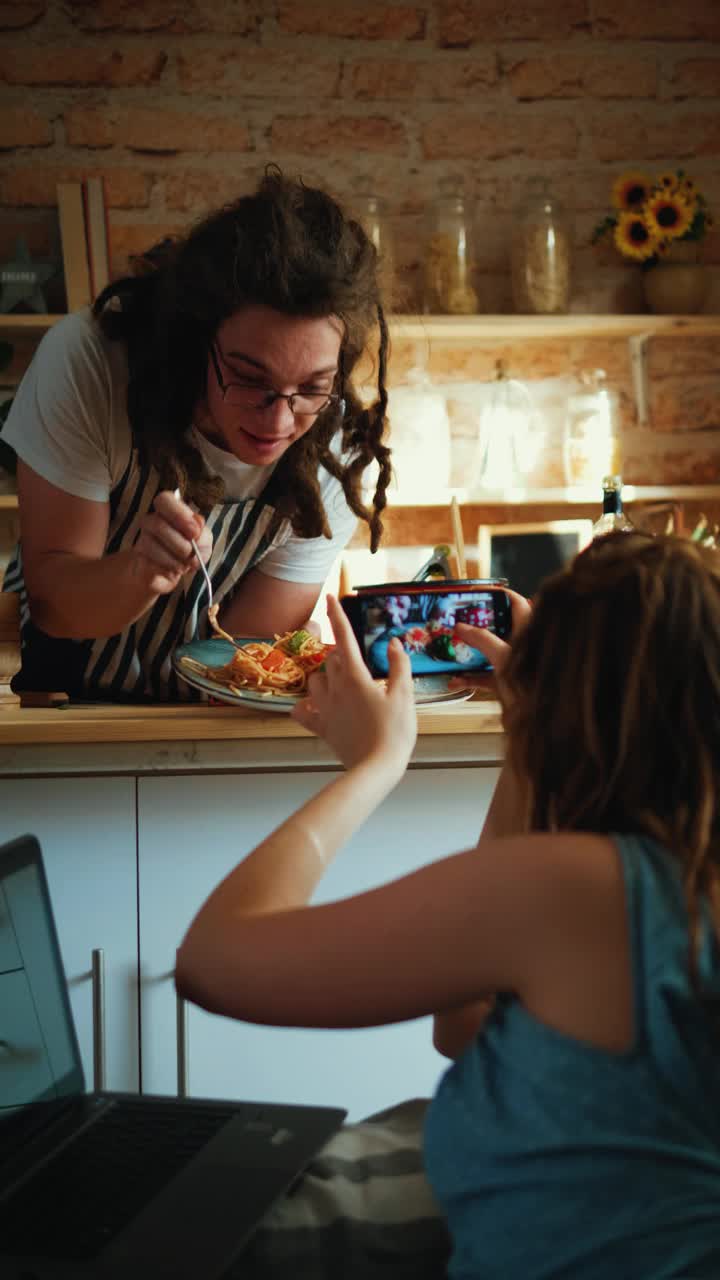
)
(528, 553)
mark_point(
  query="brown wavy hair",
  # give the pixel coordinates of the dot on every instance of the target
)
(612, 703)
(286, 246)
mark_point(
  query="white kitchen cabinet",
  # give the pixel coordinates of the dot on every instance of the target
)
(86, 829)
(191, 831)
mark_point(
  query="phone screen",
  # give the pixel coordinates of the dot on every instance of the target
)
(425, 623)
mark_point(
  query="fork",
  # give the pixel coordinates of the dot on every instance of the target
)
(213, 608)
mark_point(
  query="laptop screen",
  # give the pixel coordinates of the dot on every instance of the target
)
(39, 1057)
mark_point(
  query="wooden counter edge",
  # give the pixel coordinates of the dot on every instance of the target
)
(162, 724)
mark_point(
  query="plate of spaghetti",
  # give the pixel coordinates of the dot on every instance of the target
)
(271, 674)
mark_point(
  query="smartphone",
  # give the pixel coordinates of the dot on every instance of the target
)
(424, 616)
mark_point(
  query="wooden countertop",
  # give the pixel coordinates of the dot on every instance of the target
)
(180, 723)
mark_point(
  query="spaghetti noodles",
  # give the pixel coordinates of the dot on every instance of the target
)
(278, 669)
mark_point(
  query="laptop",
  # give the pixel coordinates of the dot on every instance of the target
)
(109, 1185)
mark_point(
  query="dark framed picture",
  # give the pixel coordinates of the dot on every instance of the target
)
(525, 554)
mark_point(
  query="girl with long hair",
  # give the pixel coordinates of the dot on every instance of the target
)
(570, 960)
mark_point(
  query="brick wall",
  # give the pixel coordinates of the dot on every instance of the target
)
(180, 103)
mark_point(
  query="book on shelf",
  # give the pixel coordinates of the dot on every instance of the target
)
(96, 231)
(74, 245)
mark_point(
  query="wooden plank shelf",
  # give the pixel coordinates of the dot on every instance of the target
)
(491, 328)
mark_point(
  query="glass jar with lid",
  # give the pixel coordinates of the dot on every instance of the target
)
(592, 445)
(541, 253)
(372, 213)
(449, 259)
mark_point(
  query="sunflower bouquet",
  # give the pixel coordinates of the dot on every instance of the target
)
(650, 216)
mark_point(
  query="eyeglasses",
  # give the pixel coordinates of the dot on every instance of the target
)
(245, 395)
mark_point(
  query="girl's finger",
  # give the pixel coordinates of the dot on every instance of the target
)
(317, 687)
(346, 644)
(495, 649)
(306, 715)
(399, 669)
(521, 610)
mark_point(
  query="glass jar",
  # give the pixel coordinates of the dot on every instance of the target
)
(541, 254)
(449, 264)
(372, 214)
(592, 446)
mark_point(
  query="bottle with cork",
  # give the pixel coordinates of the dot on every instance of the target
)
(613, 518)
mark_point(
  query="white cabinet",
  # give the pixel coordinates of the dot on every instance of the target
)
(86, 829)
(191, 831)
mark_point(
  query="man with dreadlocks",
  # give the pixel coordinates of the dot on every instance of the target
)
(221, 371)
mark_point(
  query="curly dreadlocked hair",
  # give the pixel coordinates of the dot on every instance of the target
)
(612, 698)
(288, 247)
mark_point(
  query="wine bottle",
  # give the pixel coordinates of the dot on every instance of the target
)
(613, 517)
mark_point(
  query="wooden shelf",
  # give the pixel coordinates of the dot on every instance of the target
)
(489, 327)
(525, 497)
(571, 496)
(27, 323)
(511, 327)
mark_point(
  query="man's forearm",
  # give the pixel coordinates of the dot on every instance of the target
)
(77, 598)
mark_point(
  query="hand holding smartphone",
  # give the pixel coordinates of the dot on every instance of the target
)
(425, 617)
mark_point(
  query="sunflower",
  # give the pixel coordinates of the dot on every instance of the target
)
(631, 190)
(667, 182)
(634, 237)
(669, 215)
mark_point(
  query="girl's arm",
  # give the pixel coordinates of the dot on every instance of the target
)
(454, 1029)
(542, 916)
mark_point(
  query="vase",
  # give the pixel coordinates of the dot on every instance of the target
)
(678, 284)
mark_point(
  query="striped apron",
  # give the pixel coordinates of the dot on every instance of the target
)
(135, 665)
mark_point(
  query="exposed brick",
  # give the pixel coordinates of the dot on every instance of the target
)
(461, 23)
(258, 72)
(661, 20)
(497, 136)
(48, 64)
(176, 17)
(353, 19)
(311, 134)
(40, 233)
(696, 78)
(431, 81)
(654, 137)
(37, 187)
(578, 76)
(679, 405)
(673, 357)
(685, 460)
(15, 14)
(147, 129)
(132, 240)
(23, 128)
(198, 190)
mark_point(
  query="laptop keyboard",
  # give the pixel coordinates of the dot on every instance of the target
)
(96, 1184)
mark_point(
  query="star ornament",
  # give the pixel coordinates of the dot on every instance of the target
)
(21, 281)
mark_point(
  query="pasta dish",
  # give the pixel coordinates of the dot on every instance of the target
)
(281, 668)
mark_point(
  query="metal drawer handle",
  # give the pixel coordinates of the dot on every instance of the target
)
(183, 1047)
(98, 999)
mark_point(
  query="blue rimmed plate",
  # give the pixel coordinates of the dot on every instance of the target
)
(429, 690)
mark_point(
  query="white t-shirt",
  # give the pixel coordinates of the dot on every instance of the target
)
(69, 423)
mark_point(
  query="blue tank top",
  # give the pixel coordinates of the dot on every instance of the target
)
(552, 1158)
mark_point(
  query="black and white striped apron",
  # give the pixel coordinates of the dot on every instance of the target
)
(135, 665)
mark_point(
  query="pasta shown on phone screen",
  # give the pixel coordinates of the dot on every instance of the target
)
(425, 621)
